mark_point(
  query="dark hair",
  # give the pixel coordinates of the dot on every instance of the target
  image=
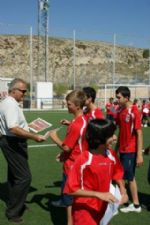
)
(98, 131)
(124, 91)
(90, 93)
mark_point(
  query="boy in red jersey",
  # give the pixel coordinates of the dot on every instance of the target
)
(130, 143)
(110, 109)
(91, 111)
(145, 113)
(74, 143)
(90, 177)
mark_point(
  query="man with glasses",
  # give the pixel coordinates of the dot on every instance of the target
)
(13, 142)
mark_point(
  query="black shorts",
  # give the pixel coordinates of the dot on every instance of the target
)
(128, 161)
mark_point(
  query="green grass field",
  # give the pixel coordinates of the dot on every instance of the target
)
(46, 180)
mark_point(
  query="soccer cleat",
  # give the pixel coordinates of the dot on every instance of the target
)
(131, 208)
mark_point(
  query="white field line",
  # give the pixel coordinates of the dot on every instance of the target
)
(40, 146)
(46, 111)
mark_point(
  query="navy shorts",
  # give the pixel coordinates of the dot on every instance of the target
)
(128, 161)
(66, 199)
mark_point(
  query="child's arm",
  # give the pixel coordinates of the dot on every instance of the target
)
(58, 141)
(139, 159)
(65, 122)
(124, 196)
(105, 196)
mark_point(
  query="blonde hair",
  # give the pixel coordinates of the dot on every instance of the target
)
(77, 97)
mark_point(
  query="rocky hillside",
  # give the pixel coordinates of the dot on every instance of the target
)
(87, 63)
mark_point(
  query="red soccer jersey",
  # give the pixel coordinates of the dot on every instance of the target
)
(75, 140)
(92, 172)
(145, 109)
(109, 108)
(94, 114)
(129, 120)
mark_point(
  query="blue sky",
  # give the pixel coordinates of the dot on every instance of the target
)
(94, 20)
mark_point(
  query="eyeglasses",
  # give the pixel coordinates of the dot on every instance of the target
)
(23, 91)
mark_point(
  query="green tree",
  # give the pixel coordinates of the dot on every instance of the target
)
(60, 89)
(146, 53)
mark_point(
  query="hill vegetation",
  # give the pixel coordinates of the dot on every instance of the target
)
(90, 62)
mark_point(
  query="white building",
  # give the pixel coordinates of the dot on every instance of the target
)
(4, 84)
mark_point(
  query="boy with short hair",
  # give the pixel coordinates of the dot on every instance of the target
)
(74, 143)
(110, 109)
(130, 143)
(91, 111)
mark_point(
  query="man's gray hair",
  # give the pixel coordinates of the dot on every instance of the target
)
(13, 83)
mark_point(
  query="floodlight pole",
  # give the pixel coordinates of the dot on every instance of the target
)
(149, 73)
(74, 59)
(43, 7)
(31, 68)
(114, 61)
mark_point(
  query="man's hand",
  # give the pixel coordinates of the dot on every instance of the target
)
(39, 138)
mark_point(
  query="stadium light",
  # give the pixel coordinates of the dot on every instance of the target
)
(74, 59)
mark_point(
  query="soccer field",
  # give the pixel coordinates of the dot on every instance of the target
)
(46, 181)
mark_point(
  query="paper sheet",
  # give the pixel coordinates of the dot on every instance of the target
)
(112, 207)
(38, 125)
(47, 134)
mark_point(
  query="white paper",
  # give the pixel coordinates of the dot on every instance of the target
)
(146, 110)
(111, 207)
(56, 129)
(38, 125)
(47, 134)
